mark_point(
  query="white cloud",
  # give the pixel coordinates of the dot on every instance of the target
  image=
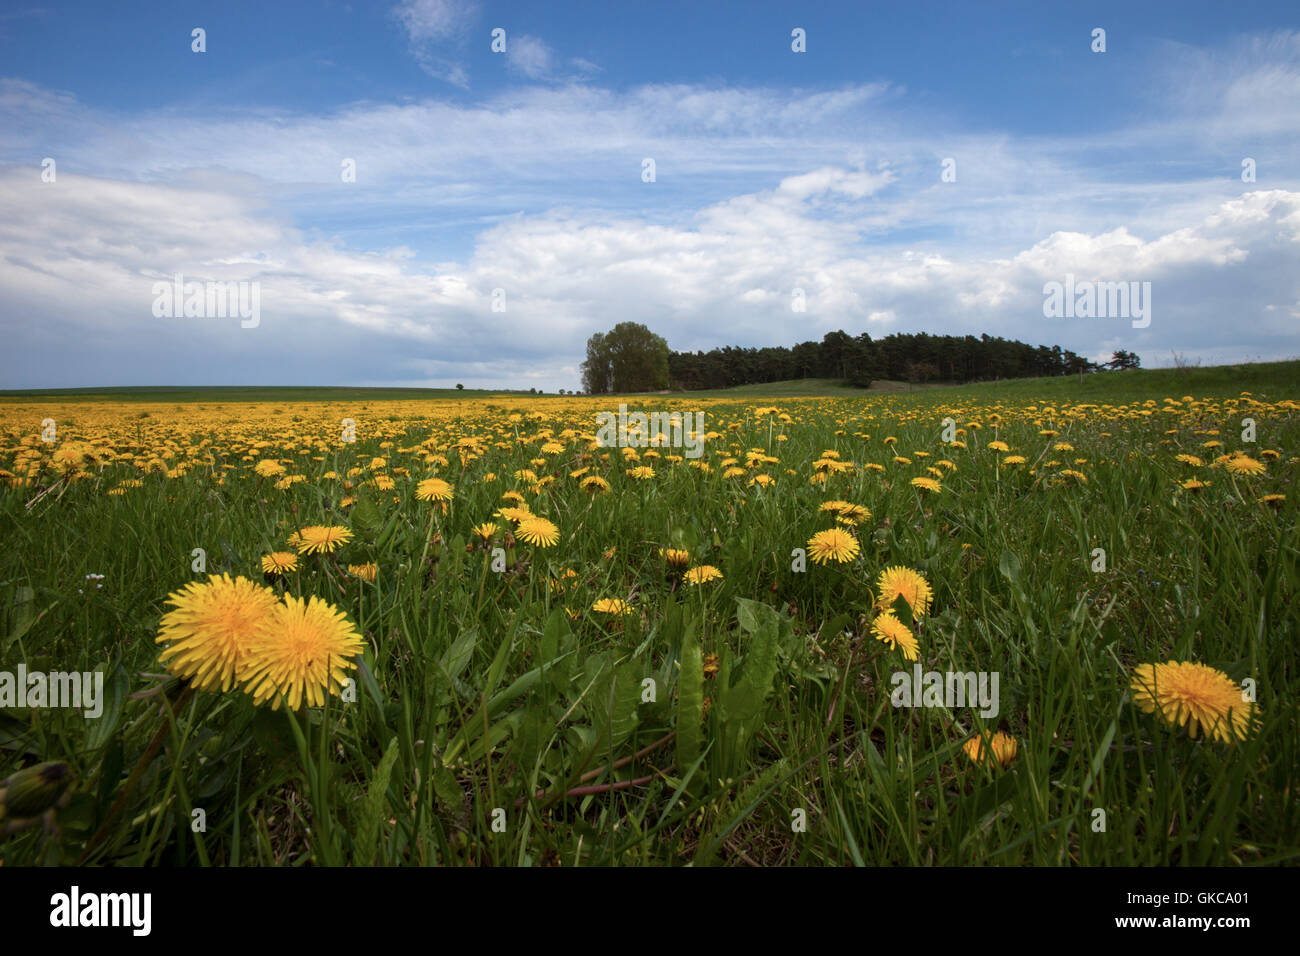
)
(430, 27)
(530, 56)
(84, 253)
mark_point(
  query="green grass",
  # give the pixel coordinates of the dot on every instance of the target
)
(478, 691)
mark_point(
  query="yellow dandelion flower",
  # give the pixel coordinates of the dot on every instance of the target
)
(890, 630)
(318, 539)
(1195, 696)
(702, 574)
(1002, 748)
(538, 531)
(209, 631)
(895, 582)
(612, 606)
(302, 651)
(926, 484)
(1244, 465)
(833, 544)
(278, 562)
(514, 514)
(434, 489)
(367, 572)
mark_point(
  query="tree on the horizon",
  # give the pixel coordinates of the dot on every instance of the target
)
(627, 358)
(1124, 359)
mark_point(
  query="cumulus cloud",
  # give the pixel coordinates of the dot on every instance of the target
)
(89, 266)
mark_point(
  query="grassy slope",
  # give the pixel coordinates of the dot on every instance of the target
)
(1266, 379)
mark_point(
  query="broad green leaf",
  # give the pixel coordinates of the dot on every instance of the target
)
(1009, 566)
(366, 515)
(690, 702)
(751, 613)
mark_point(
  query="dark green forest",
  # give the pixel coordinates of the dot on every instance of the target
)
(861, 360)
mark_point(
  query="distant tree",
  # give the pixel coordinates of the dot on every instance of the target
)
(627, 358)
(1124, 359)
(598, 369)
(459, 387)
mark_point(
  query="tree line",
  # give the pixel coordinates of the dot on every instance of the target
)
(902, 357)
(631, 358)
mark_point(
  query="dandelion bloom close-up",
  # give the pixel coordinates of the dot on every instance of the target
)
(302, 651)
(538, 531)
(210, 628)
(1202, 699)
(278, 562)
(702, 574)
(322, 539)
(833, 544)
(434, 489)
(889, 629)
(895, 582)
(1244, 465)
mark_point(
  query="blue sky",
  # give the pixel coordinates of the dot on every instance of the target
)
(522, 171)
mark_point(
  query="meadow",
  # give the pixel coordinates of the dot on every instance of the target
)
(530, 649)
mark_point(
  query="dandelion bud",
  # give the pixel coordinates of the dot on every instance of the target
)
(33, 790)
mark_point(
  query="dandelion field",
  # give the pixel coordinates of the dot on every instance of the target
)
(684, 661)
